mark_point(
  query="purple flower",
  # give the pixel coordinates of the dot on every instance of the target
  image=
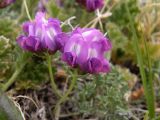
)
(91, 5)
(41, 34)
(86, 49)
(5, 3)
(41, 5)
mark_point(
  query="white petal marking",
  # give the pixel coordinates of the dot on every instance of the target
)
(92, 53)
(75, 48)
(95, 38)
(51, 33)
(31, 32)
(87, 33)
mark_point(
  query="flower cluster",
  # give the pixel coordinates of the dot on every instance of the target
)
(83, 47)
(86, 48)
(91, 5)
(41, 34)
(5, 3)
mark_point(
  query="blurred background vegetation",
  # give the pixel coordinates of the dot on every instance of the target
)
(113, 96)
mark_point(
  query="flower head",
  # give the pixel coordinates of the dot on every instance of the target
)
(86, 49)
(41, 34)
(42, 4)
(91, 5)
(5, 3)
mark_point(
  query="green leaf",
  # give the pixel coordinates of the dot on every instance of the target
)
(8, 110)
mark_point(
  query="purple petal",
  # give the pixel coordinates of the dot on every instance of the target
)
(94, 4)
(93, 65)
(50, 43)
(20, 41)
(54, 21)
(29, 43)
(106, 44)
(61, 40)
(106, 66)
(40, 17)
(70, 58)
(91, 5)
(32, 44)
(25, 27)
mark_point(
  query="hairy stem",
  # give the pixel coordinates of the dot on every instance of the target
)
(20, 64)
(68, 92)
(13, 78)
(53, 84)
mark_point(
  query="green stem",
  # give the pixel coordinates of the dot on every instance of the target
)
(65, 96)
(27, 10)
(150, 78)
(13, 78)
(147, 88)
(53, 84)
